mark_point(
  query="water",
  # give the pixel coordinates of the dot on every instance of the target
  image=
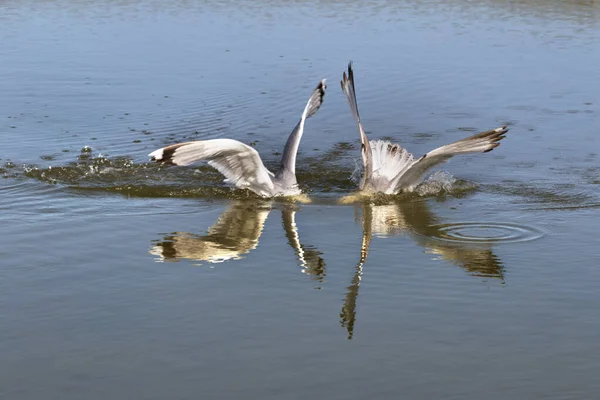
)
(124, 279)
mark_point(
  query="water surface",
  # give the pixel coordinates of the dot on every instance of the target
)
(120, 278)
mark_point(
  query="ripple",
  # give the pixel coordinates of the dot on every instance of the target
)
(477, 232)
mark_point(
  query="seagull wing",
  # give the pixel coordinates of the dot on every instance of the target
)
(347, 83)
(288, 160)
(479, 143)
(240, 163)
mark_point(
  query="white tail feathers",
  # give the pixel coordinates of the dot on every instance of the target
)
(389, 161)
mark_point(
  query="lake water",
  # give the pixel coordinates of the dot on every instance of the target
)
(123, 279)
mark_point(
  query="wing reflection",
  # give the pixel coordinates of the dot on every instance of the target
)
(308, 256)
(235, 233)
(348, 313)
(416, 220)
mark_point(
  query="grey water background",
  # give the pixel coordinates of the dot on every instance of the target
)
(483, 285)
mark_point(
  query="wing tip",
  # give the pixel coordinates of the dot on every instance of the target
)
(156, 155)
(496, 136)
(347, 78)
(316, 99)
(165, 155)
(492, 136)
(500, 133)
(492, 147)
(502, 129)
(321, 88)
(344, 82)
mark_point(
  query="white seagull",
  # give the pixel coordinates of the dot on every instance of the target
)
(390, 169)
(240, 163)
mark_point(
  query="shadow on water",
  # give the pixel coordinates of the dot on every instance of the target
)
(237, 232)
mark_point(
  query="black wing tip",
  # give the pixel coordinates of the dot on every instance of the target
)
(345, 82)
(495, 136)
(493, 146)
(165, 155)
(499, 134)
(316, 99)
(163, 161)
(492, 135)
(347, 78)
(322, 87)
(351, 72)
(320, 94)
(502, 129)
(157, 155)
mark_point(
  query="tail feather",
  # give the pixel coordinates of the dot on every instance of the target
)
(389, 161)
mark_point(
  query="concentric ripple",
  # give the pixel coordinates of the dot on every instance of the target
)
(477, 232)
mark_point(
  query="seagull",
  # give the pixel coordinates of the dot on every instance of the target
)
(241, 164)
(390, 169)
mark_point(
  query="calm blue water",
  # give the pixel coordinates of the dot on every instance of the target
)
(123, 279)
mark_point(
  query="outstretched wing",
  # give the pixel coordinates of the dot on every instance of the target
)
(240, 163)
(288, 160)
(479, 143)
(347, 83)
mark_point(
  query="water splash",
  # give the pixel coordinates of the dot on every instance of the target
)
(442, 182)
(92, 171)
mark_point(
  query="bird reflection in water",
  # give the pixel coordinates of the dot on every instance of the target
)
(235, 233)
(416, 220)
